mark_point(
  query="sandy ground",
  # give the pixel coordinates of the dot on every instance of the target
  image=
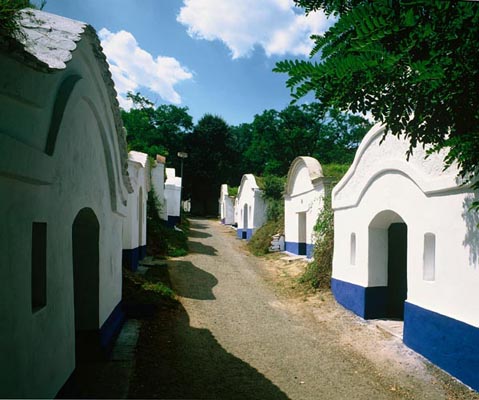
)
(247, 330)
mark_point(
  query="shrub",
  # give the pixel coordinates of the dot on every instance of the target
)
(261, 240)
(318, 272)
(161, 240)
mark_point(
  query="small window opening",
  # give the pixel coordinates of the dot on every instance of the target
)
(429, 257)
(353, 249)
(39, 265)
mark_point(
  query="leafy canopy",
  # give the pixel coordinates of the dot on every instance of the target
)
(412, 64)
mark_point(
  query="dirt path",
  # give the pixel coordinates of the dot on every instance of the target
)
(240, 334)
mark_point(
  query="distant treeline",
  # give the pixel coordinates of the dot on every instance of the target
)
(219, 153)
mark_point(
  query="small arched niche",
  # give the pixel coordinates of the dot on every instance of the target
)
(429, 257)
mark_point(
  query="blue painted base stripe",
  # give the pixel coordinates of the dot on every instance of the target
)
(142, 252)
(304, 249)
(367, 302)
(112, 326)
(130, 258)
(451, 344)
(244, 233)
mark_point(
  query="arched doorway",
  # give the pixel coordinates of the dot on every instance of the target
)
(387, 266)
(245, 222)
(302, 233)
(86, 256)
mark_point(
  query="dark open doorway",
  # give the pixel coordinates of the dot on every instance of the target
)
(302, 233)
(85, 253)
(397, 270)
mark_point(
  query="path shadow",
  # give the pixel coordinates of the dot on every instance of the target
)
(178, 361)
(198, 234)
(195, 224)
(200, 248)
(192, 282)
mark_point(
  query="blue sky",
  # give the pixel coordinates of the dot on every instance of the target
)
(213, 56)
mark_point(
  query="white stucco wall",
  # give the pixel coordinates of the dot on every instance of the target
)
(158, 184)
(250, 195)
(84, 170)
(304, 194)
(172, 193)
(428, 200)
(226, 206)
(134, 225)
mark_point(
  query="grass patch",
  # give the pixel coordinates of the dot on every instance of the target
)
(151, 288)
(261, 241)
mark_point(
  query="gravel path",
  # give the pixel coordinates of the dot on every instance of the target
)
(238, 336)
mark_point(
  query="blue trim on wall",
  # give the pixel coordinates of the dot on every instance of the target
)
(291, 247)
(130, 258)
(142, 252)
(244, 233)
(451, 344)
(305, 249)
(112, 326)
(172, 221)
(367, 302)
(223, 220)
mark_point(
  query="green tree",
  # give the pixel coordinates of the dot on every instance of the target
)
(278, 137)
(160, 130)
(412, 63)
(209, 162)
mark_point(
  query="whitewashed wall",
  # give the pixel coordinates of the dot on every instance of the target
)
(134, 225)
(226, 206)
(172, 196)
(62, 150)
(381, 187)
(251, 208)
(303, 199)
(158, 184)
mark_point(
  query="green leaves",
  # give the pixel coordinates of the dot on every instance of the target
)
(396, 59)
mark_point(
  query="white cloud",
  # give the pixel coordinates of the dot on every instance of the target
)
(242, 25)
(133, 68)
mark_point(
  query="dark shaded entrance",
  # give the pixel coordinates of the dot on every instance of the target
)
(397, 270)
(244, 234)
(302, 233)
(387, 267)
(86, 255)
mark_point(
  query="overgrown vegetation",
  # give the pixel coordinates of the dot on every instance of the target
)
(161, 240)
(318, 271)
(273, 189)
(8, 10)
(261, 240)
(146, 289)
(233, 191)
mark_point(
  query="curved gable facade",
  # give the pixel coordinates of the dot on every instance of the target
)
(407, 247)
(303, 202)
(251, 208)
(64, 188)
